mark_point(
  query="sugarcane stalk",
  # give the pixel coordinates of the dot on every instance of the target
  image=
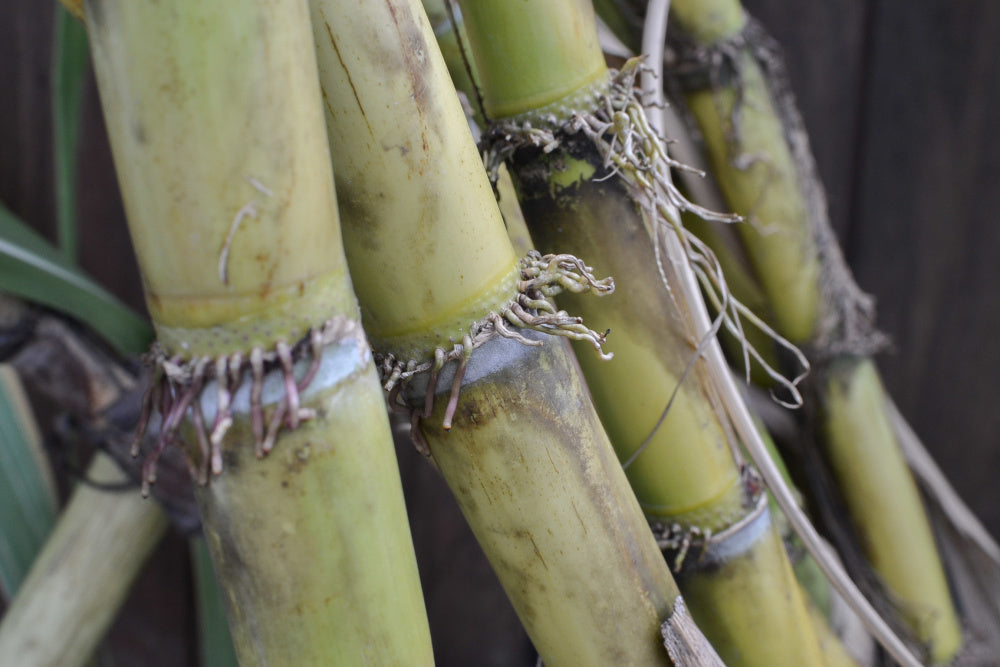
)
(835, 652)
(765, 190)
(761, 160)
(80, 579)
(861, 438)
(449, 32)
(215, 120)
(660, 413)
(461, 328)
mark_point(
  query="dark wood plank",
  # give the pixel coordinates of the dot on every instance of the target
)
(925, 235)
(26, 172)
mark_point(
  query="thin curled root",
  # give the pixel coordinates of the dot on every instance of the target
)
(677, 540)
(176, 387)
(616, 125)
(542, 277)
(456, 383)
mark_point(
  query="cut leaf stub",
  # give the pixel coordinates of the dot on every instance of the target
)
(265, 385)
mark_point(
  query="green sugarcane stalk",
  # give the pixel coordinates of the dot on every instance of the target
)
(499, 408)
(449, 31)
(670, 437)
(861, 437)
(215, 120)
(814, 302)
(80, 579)
(81, 563)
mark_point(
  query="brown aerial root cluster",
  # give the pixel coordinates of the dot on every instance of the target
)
(542, 277)
(177, 385)
(614, 123)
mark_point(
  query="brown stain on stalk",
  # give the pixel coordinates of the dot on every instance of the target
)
(343, 66)
(486, 492)
(416, 69)
(538, 552)
(523, 385)
(583, 524)
(298, 458)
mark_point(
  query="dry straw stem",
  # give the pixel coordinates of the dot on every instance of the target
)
(78, 582)
(525, 455)
(216, 126)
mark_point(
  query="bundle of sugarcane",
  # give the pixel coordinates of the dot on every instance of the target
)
(216, 125)
(463, 329)
(591, 178)
(728, 73)
(813, 300)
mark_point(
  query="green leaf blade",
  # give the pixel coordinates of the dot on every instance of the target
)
(33, 270)
(69, 68)
(28, 501)
(213, 629)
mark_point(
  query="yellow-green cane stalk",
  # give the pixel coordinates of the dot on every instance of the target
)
(861, 438)
(835, 652)
(806, 570)
(766, 192)
(79, 581)
(449, 32)
(820, 598)
(216, 126)
(667, 432)
(759, 155)
(499, 408)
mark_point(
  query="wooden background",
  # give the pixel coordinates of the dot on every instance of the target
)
(902, 103)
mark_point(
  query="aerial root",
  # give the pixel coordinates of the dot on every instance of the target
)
(176, 388)
(542, 277)
(676, 541)
(615, 123)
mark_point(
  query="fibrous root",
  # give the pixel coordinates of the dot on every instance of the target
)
(616, 125)
(542, 277)
(177, 385)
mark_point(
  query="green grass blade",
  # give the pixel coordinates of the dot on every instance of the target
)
(69, 67)
(213, 629)
(28, 502)
(32, 269)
